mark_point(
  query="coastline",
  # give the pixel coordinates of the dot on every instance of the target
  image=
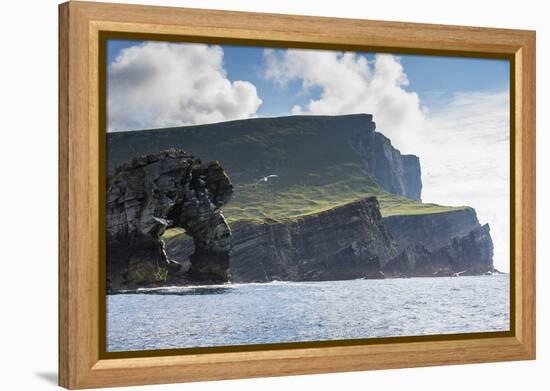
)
(229, 284)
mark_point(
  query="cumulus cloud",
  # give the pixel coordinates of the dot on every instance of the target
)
(157, 84)
(348, 84)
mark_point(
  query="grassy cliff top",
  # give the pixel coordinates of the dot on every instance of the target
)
(315, 159)
(276, 201)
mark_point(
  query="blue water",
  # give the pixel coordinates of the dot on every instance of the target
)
(240, 314)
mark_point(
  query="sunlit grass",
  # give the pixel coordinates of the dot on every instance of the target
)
(315, 159)
(170, 233)
(271, 202)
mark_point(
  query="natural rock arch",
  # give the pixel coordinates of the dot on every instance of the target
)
(155, 192)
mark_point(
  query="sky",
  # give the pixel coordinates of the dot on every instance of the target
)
(451, 112)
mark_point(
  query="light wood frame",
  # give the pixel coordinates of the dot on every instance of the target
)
(81, 364)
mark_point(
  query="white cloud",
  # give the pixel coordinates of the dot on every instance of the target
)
(349, 84)
(464, 153)
(157, 84)
(462, 145)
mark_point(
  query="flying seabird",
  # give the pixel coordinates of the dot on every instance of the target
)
(265, 179)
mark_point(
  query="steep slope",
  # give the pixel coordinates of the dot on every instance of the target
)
(352, 241)
(316, 217)
(344, 242)
(432, 230)
(467, 254)
(305, 151)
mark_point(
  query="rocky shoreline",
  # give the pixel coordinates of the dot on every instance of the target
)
(354, 241)
(174, 189)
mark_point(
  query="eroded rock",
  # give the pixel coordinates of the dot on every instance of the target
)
(346, 242)
(465, 254)
(160, 191)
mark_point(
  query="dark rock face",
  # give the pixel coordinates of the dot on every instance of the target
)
(394, 172)
(431, 230)
(353, 241)
(174, 189)
(471, 254)
(440, 244)
(155, 192)
(342, 243)
(346, 242)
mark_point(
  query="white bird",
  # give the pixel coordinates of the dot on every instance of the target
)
(265, 179)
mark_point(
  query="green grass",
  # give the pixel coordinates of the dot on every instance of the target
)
(170, 233)
(315, 159)
(277, 201)
(392, 205)
(300, 201)
(161, 274)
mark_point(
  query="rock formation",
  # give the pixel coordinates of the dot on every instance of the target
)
(353, 241)
(342, 157)
(440, 244)
(155, 192)
(432, 230)
(343, 243)
(394, 172)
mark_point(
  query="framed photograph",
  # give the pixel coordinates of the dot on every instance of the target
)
(246, 195)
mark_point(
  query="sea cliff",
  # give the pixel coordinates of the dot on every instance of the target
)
(342, 243)
(354, 241)
(340, 203)
(294, 146)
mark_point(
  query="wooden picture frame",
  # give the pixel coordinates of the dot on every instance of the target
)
(82, 363)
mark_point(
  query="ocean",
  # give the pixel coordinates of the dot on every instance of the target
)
(278, 312)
